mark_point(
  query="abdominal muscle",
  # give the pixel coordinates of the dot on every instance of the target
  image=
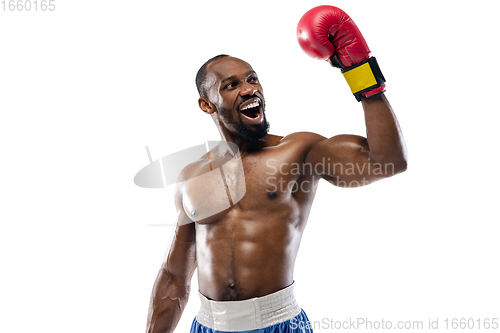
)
(246, 255)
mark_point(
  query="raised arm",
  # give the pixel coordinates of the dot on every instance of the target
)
(328, 33)
(171, 288)
(384, 140)
(351, 160)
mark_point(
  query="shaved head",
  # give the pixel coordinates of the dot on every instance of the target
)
(201, 76)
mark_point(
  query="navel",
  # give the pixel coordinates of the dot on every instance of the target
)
(272, 194)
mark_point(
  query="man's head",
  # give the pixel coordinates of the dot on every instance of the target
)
(231, 93)
(202, 74)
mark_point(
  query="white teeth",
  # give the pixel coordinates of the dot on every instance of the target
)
(251, 105)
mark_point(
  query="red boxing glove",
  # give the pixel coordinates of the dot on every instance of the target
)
(328, 33)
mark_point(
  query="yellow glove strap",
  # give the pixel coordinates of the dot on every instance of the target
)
(364, 76)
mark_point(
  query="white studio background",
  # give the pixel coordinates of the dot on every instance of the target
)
(84, 88)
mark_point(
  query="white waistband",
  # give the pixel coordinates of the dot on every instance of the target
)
(250, 314)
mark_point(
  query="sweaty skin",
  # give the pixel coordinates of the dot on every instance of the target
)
(248, 249)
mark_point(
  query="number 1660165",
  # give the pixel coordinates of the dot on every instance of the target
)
(28, 5)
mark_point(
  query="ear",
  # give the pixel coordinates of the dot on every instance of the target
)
(206, 106)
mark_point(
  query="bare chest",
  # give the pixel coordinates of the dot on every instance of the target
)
(255, 183)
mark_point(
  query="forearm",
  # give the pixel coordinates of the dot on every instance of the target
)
(385, 139)
(168, 300)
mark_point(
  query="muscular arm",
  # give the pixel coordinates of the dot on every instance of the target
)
(350, 160)
(328, 33)
(171, 288)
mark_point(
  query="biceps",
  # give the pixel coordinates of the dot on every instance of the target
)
(343, 158)
(332, 156)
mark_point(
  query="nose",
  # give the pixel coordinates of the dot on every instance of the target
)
(248, 89)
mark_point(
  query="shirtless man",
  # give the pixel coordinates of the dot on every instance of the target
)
(245, 253)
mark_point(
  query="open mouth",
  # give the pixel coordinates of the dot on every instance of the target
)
(252, 110)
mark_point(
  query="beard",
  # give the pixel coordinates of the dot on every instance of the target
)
(252, 133)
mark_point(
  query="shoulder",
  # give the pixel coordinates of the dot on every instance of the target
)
(304, 139)
(294, 146)
(190, 170)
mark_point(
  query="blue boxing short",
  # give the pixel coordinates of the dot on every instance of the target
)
(274, 313)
